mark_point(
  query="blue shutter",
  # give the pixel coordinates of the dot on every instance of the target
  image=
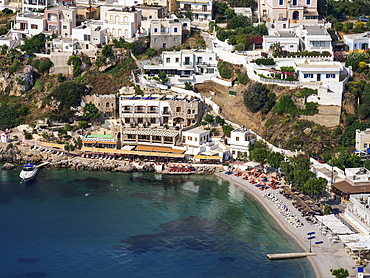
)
(311, 75)
(333, 75)
(327, 75)
(305, 75)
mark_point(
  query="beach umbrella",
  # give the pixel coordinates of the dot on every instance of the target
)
(257, 180)
(251, 177)
(263, 176)
(253, 170)
(271, 179)
(261, 183)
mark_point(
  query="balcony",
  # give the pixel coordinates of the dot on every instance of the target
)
(153, 111)
(139, 111)
(127, 111)
(165, 112)
(188, 65)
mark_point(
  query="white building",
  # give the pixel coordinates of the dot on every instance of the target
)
(240, 141)
(201, 9)
(330, 75)
(194, 66)
(315, 38)
(35, 5)
(5, 137)
(288, 40)
(362, 141)
(121, 22)
(60, 20)
(357, 42)
(90, 35)
(29, 24)
(323, 170)
(244, 11)
(196, 137)
(358, 212)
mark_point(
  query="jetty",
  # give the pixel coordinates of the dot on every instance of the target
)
(43, 164)
(285, 256)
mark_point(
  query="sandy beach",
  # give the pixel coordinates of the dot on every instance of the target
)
(329, 256)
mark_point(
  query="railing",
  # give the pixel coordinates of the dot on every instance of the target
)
(153, 111)
(188, 65)
(165, 112)
(357, 221)
(139, 111)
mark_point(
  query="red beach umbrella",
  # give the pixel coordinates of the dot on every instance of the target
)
(271, 179)
(253, 170)
(263, 176)
(261, 183)
(251, 177)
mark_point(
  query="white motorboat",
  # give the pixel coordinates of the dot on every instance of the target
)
(29, 172)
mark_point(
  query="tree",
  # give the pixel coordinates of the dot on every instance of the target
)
(69, 94)
(60, 77)
(4, 49)
(227, 130)
(67, 127)
(339, 273)
(285, 105)
(188, 86)
(90, 111)
(150, 52)
(327, 209)
(338, 26)
(208, 118)
(220, 120)
(239, 47)
(82, 124)
(188, 14)
(34, 44)
(163, 77)
(3, 31)
(76, 62)
(259, 155)
(243, 79)
(45, 65)
(256, 96)
(274, 159)
(78, 142)
(67, 147)
(224, 70)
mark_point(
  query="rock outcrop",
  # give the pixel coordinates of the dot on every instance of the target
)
(8, 166)
(17, 83)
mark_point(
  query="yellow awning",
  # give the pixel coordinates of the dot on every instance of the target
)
(144, 148)
(207, 157)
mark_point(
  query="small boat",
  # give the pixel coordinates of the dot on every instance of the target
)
(29, 172)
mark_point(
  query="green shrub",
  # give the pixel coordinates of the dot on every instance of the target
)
(285, 105)
(60, 77)
(28, 136)
(36, 64)
(243, 79)
(270, 122)
(224, 70)
(44, 66)
(39, 85)
(9, 146)
(265, 61)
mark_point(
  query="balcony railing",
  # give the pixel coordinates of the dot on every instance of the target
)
(166, 112)
(139, 111)
(188, 65)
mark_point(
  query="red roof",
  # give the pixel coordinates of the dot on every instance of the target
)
(91, 9)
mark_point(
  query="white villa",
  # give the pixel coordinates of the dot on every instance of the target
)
(29, 24)
(194, 66)
(357, 42)
(358, 212)
(201, 9)
(288, 40)
(121, 22)
(315, 38)
(240, 140)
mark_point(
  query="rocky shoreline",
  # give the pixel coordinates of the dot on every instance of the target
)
(23, 155)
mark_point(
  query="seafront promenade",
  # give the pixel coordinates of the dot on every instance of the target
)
(329, 256)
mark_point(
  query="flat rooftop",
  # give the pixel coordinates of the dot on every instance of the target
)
(196, 130)
(311, 30)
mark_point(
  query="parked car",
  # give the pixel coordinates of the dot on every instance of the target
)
(363, 19)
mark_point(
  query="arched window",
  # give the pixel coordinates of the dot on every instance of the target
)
(114, 32)
(107, 104)
(126, 33)
(296, 15)
(119, 32)
(125, 19)
(117, 19)
(111, 18)
(189, 112)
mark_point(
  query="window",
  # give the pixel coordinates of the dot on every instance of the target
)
(365, 146)
(195, 139)
(67, 47)
(355, 45)
(210, 58)
(86, 37)
(190, 138)
(291, 46)
(310, 75)
(155, 40)
(177, 60)
(175, 39)
(175, 30)
(65, 27)
(155, 30)
(81, 17)
(67, 15)
(163, 30)
(168, 60)
(185, 24)
(308, 2)
(331, 75)
(233, 152)
(236, 138)
(281, 2)
(95, 39)
(34, 26)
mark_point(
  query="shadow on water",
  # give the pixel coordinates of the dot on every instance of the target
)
(36, 274)
(192, 233)
(28, 260)
(152, 196)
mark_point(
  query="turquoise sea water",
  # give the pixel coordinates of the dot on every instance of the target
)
(145, 225)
